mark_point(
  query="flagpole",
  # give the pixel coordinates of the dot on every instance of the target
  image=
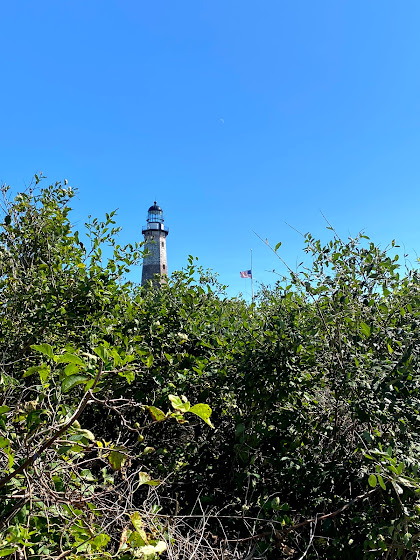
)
(252, 281)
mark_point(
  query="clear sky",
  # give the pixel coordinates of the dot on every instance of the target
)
(236, 116)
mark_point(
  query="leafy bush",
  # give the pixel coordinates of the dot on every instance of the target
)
(314, 390)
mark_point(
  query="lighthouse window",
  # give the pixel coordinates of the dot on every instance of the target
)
(163, 244)
(163, 266)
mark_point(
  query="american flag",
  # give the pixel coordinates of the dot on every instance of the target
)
(246, 274)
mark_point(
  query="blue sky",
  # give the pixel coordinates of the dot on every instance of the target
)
(236, 116)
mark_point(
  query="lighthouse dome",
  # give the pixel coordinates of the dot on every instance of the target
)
(155, 209)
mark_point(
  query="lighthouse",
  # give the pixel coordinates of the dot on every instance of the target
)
(155, 265)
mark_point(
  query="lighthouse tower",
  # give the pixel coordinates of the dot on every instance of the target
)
(155, 261)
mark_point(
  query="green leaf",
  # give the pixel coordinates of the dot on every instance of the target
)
(365, 329)
(178, 404)
(101, 540)
(46, 349)
(137, 541)
(71, 369)
(44, 373)
(148, 450)
(11, 459)
(70, 359)
(203, 411)
(34, 369)
(4, 409)
(406, 538)
(138, 524)
(381, 482)
(71, 381)
(128, 375)
(7, 551)
(145, 478)
(149, 361)
(157, 414)
(372, 480)
(87, 475)
(30, 371)
(87, 434)
(89, 385)
(102, 352)
(277, 246)
(116, 460)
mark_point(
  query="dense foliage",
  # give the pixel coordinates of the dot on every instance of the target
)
(313, 444)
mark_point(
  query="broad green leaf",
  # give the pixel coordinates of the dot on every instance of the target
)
(365, 329)
(203, 411)
(138, 524)
(116, 357)
(71, 369)
(128, 375)
(277, 246)
(144, 478)
(89, 385)
(87, 475)
(33, 369)
(406, 538)
(116, 460)
(7, 552)
(87, 434)
(157, 414)
(63, 450)
(178, 404)
(4, 409)
(137, 541)
(149, 361)
(147, 450)
(102, 352)
(372, 480)
(44, 373)
(70, 359)
(240, 428)
(101, 540)
(381, 482)
(71, 381)
(46, 349)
